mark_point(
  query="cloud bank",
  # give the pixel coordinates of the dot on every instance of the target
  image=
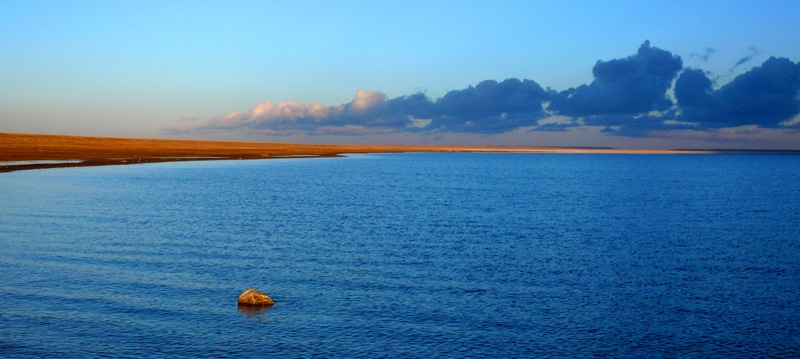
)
(647, 94)
(489, 107)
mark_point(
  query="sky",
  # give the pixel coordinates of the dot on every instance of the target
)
(623, 74)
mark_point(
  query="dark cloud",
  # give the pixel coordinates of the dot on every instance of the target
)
(765, 96)
(489, 107)
(631, 85)
(555, 127)
(639, 125)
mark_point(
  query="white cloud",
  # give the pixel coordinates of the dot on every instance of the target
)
(364, 100)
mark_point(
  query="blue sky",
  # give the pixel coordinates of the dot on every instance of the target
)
(181, 69)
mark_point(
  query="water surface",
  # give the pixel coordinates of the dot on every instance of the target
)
(405, 255)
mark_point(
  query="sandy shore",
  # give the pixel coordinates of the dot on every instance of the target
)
(100, 151)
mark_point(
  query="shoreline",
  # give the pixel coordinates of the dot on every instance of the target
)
(105, 151)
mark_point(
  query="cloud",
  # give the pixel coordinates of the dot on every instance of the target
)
(753, 52)
(297, 116)
(555, 127)
(489, 107)
(631, 85)
(705, 55)
(639, 125)
(630, 97)
(765, 96)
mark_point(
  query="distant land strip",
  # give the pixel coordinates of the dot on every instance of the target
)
(32, 151)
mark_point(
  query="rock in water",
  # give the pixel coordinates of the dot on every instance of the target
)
(254, 297)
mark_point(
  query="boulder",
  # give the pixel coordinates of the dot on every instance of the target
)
(254, 297)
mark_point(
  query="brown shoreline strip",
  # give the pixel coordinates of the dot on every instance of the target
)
(102, 151)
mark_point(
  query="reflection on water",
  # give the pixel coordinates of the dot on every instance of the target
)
(253, 310)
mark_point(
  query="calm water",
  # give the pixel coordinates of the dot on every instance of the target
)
(405, 255)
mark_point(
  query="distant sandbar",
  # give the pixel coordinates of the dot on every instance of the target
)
(80, 151)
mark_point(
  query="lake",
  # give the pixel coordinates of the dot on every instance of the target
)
(405, 255)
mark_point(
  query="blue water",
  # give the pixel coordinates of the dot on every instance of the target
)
(405, 255)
